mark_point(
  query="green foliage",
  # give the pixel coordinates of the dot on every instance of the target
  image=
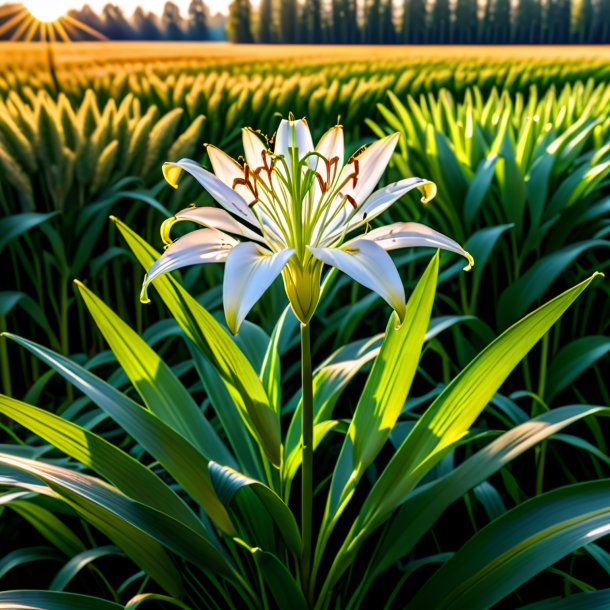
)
(176, 454)
(246, 544)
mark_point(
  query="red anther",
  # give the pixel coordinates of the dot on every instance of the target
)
(333, 164)
(350, 199)
(323, 185)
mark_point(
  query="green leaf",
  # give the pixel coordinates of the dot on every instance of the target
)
(241, 379)
(229, 482)
(233, 425)
(25, 555)
(124, 471)
(385, 392)
(481, 245)
(424, 507)
(478, 187)
(524, 541)
(13, 226)
(187, 465)
(329, 381)
(448, 419)
(138, 529)
(136, 601)
(522, 293)
(271, 371)
(93, 500)
(52, 600)
(572, 360)
(285, 590)
(595, 600)
(159, 388)
(70, 570)
(455, 410)
(49, 526)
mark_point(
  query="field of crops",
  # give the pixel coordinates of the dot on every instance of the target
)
(449, 454)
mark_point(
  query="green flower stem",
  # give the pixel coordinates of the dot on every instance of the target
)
(307, 464)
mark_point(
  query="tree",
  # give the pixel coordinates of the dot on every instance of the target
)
(585, 21)
(604, 22)
(145, 25)
(90, 18)
(172, 22)
(115, 26)
(266, 29)
(198, 21)
(529, 22)
(289, 21)
(558, 22)
(497, 23)
(239, 27)
(440, 27)
(388, 31)
(413, 29)
(465, 30)
(373, 31)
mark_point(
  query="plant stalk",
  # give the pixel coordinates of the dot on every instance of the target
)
(307, 455)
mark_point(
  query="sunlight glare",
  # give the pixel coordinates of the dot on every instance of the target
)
(47, 11)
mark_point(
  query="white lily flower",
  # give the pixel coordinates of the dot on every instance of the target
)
(295, 206)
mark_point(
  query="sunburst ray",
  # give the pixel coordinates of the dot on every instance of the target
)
(14, 21)
(27, 26)
(84, 27)
(24, 25)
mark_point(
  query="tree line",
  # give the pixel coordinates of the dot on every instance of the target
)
(421, 22)
(197, 24)
(365, 22)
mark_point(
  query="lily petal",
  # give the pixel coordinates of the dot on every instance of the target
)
(229, 170)
(411, 234)
(253, 148)
(331, 145)
(370, 265)
(225, 195)
(213, 218)
(371, 165)
(293, 134)
(249, 271)
(201, 246)
(384, 197)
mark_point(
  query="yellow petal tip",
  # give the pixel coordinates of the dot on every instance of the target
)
(166, 227)
(171, 173)
(429, 190)
(470, 260)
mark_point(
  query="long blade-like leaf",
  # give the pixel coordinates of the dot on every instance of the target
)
(53, 600)
(228, 482)
(129, 475)
(159, 388)
(421, 510)
(187, 465)
(447, 420)
(518, 545)
(241, 379)
(385, 392)
(454, 411)
(118, 514)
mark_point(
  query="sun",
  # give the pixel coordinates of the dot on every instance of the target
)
(43, 20)
(47, 11)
